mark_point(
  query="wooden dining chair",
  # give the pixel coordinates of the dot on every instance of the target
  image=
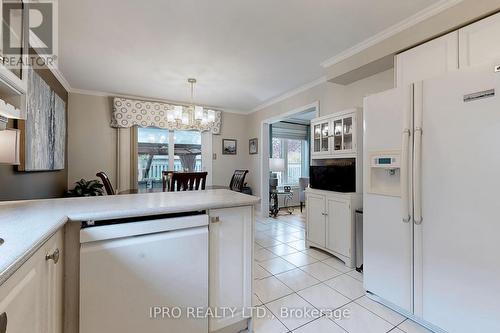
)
(188, 181)
(238, 180)
(107, 183)
(166, 178)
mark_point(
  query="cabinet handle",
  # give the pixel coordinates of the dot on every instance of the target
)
(54, 256)
(214, 219)
(324, 214)
(3, 322)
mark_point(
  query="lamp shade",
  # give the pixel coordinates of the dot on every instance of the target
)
(276, 164)
(9, 147)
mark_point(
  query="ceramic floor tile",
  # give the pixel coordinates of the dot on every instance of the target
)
(317, 254)
(297, 279)
(286, 238)
(347, 286)
(381, 310)
(255, 300)
(268, 242)
(263, 255)
(321, 271)
(396, 330)
(299, 234)
(268, 324)
(360, 320)
(323, 297)
(277, 265)
(337, 264)
(259, 272)
(409, 326)
(270, 288)
(256, 247)
(300, 314)
(299, 245)
(357, 275)
(321, 325)
(299, 259)
(282, 250)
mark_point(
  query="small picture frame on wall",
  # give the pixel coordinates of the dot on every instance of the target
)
(229, 147)
(253, 146)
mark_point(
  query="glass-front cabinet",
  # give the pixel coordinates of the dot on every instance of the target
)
(335, 135)
(321, 137)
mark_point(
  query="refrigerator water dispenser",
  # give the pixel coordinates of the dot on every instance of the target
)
(384, 176)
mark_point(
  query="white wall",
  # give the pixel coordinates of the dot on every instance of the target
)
(332, 98)
(92, 142)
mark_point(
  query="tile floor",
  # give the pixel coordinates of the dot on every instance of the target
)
(288, 276)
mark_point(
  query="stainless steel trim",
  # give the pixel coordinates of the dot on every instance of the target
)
(479, 95)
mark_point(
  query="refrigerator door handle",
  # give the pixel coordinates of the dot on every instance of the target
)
(417, 186)
(405, 191)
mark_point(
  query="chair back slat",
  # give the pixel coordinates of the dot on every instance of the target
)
(238, 180)
(188, 181)
(107, 183)
(166, 178)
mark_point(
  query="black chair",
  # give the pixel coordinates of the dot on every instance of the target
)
(238, 180)
(107, 183)
(187, 181)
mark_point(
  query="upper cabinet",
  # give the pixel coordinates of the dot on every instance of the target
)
(470, 46)
(479, 42)
(336, 135)
(425, 61)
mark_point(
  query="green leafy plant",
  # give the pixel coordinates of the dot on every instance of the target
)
(87, 188)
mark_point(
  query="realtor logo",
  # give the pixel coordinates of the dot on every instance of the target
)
(27, 27)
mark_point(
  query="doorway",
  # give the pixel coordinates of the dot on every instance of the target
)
(302, 115)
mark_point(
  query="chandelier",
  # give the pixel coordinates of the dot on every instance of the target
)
(192, 117)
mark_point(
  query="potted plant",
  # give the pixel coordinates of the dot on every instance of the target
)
(87, 188)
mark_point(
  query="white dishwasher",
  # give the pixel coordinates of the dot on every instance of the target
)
(130, 270)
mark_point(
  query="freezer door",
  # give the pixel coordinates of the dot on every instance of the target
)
(456, 243)
(387, 240)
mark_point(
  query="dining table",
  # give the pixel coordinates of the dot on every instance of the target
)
(159, 189)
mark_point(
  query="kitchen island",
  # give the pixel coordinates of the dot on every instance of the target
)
(27, 226)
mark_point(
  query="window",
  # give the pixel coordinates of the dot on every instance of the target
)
(294, 154)
(156, 146)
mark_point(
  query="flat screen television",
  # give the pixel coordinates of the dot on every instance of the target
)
(338, 175)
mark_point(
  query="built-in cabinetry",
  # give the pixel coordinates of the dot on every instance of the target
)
(31, 300)
(336, 135)
(230, 281)
(469, 46)
(331, 221)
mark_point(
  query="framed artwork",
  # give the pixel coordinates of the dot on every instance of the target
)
(253, 146)
(44, 130)
(228, 147)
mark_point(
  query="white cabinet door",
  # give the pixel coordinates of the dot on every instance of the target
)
(231, 240)
(339, 222)
(320, 138)
(53, 272)
(316, 229)
(22, 297)
(479, 42)
(428, 60)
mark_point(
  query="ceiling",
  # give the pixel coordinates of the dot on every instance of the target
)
(242, 52)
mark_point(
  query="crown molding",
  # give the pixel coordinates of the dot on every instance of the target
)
(289, 94)
(60, 77)
(393, 30)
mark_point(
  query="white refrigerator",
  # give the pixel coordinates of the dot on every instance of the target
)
(432, 198)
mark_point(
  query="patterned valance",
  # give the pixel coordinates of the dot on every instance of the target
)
(130, 112)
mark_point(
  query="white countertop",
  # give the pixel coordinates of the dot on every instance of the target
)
(26, 225)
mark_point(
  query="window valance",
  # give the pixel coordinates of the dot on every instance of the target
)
(130, 112)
